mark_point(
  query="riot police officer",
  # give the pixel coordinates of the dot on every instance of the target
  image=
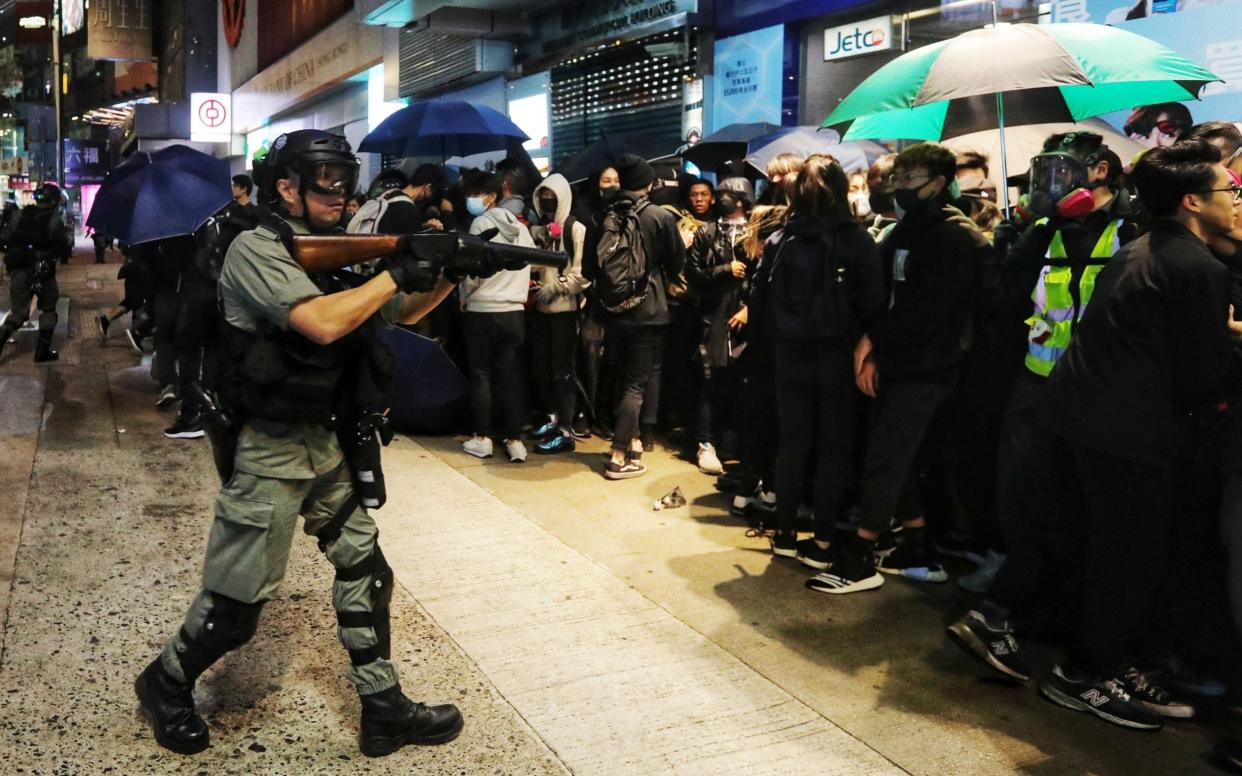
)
(291, 340)
(36, 239)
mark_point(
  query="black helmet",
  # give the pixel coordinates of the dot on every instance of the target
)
(47, 194)
(308, 153)
(387, 180)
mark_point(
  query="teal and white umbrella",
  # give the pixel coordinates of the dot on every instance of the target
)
(1015, 74)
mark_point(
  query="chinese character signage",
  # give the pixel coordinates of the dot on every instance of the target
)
(118, 29)
(746, 85)
(86, 161)
(580, 23)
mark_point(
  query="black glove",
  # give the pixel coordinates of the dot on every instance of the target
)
(410, 274)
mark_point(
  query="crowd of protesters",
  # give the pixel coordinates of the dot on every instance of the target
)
(879, 367)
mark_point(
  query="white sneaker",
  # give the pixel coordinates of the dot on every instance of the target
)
(516, 450)
(479, 447)
(709, 463)
(981, 579)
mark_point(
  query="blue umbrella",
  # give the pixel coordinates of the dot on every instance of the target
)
(166, 193)
(429, 391)
(853, 155)
(442, 128)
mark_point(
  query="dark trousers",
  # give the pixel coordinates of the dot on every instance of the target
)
(21, 294)
(720, 385)
(493, 344)
(638, 350)
(903, 412)
(1231, 532)
(197, 324)
(759, 421)
(816, 401)
(1032, 524)
(554, 340)
(164, 309)
(599, 371)
(1122, 509)
(680, 372)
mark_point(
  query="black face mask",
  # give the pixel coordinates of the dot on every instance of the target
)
(548, 208)
(908, 201)
(609, 193)
(880, 201)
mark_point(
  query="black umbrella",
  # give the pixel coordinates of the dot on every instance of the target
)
(607, 152)
(726, 144)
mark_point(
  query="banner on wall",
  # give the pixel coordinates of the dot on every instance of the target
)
(119, 29)
(1119, 11)
(746, 85)
(1209, 35)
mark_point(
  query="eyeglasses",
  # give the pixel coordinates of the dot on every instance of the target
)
(903, 181)
(1236, 191)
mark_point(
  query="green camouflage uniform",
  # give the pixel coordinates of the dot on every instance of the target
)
(283, 470)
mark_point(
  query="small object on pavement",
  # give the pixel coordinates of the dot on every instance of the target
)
(670, 500)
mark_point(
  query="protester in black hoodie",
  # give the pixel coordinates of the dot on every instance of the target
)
(908, 362)
(817, 287)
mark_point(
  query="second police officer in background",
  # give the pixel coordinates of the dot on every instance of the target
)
(35, 239)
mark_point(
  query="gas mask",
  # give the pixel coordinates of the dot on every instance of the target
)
(1060, 184)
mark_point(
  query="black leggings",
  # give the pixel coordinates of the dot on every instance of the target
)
(554, 340)
(816, 401)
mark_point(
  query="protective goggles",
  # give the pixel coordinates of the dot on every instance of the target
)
(333, 179)
(1057, 174)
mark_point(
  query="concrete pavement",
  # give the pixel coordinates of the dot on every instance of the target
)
(578, 630)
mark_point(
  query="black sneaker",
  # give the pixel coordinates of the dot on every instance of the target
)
(648, 440)
(1175, 675)
(135, 341)
(103, 323)
(996, 647)
(784, 544)
(580, 428)
(811, 554)
(914, 558)
(1105, 698)
(1153, 696)
(624, 471)
(168, 395)
(853, 570)
(185, 428)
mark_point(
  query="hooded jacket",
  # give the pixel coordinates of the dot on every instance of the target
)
(556, 295)
(506, 291)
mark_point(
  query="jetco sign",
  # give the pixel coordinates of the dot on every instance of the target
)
(850, 40)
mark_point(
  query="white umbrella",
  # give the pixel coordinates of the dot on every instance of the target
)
(1025, 141)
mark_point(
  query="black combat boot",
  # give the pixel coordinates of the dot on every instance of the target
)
(169, 705)
(390, 721)
(43, 350)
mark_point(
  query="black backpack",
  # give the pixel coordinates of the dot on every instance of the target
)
(623, 278)
(212, 240)
(814, 311)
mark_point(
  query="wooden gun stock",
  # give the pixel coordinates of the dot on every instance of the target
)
(329, 252)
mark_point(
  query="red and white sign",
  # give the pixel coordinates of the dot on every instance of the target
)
(211, 117)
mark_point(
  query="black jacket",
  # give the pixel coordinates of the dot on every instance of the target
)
(720, 295)
(799, 273)
(1152, 345)
(666, 255)
(929, 268)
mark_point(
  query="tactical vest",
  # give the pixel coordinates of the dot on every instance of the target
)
(1052, 324)
(32, 237)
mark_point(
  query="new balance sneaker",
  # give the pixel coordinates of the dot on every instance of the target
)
(709, 462)
(784, 544)
(994, 646)
(853, 570)
(914, 558)
(624, 471)
(185, 427)
(1175, 675)
(1105, 698)
(103, 323)
(479, 447)
(580, 428)
(812, 555)
(168, 395)
(516, 450)
(980, 580)
(1153, 696)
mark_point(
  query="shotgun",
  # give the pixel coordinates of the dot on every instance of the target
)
(472, 255)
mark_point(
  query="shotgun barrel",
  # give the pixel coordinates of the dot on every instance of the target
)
(473, 254)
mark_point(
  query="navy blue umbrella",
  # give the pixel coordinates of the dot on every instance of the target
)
(429, 391)
(166, 193)
(442, 128)
(727, 144)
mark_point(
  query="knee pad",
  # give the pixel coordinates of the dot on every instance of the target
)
(229, 624)
(379, 586)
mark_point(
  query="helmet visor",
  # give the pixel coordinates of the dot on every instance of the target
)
(1057, 174)
(333, 178)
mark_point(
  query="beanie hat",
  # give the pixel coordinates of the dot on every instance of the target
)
(635, 172)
